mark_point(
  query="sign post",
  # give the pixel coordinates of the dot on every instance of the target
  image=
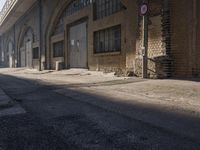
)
(144, 13)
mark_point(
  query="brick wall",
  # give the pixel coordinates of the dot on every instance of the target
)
(198, 38)
(156, 46)
(181, 37)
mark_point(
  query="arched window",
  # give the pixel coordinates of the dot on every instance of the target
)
(105, 8)
(73, 7)
(76, 6)
(102, 8)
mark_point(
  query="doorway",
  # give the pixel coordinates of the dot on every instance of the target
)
(10, 54)
(78, 45)
(29, 54)
(22, 57)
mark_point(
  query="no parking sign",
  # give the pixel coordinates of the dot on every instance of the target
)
(144, 9)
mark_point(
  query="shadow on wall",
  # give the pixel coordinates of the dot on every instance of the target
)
(154, 115)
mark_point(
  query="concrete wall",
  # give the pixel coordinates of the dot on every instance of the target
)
(17, 34)
(6, 38)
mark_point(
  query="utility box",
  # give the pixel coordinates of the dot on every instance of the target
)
(59, 65)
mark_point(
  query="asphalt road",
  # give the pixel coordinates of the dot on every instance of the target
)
(56, 122)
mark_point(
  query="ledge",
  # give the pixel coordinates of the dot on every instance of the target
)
(107, 54)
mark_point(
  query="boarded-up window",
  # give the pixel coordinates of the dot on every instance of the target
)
(36, 53)
(108, 40)
(105, 8)
(58, 49)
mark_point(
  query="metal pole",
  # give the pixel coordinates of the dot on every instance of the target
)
(40, 32)
(145, 46)
(15, 54)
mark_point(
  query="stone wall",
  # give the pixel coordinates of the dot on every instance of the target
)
(5, 40)
(119, 61)
(17, 33)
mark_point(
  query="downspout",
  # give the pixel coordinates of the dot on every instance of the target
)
(194, 38)
(15, 53)
(166, 33)
(40, 34)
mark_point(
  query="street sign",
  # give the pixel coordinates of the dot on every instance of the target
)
(144, 9)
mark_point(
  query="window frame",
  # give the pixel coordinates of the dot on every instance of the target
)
(100, 40)
(58, 55)
(105, 8)
(33, 53)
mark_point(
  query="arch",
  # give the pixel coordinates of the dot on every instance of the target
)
(25, 31)
(24, 47)
(63, 9)
(8, 53)
(60, 11)
(51, 25)
(66, 8)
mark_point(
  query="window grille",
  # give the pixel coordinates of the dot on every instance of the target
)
(36, 53)
(73, 7)
(108, 40)
(76, 5)
(58, 49)
(105, 8)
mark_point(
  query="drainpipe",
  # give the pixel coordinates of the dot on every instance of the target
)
(15, 55)
(166, 35)
(40, 33)
(194, 38)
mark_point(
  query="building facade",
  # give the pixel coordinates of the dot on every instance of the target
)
(102, 35)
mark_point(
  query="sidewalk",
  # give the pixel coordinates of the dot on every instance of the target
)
(183, 94)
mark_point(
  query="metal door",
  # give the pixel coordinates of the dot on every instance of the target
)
(22, 57)
(78, 45)
(29, 54)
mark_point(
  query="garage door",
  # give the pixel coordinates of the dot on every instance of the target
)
(22, 57)
(29, 54)
(78, 45)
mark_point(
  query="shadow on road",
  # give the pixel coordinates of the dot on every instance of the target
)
(179, 124)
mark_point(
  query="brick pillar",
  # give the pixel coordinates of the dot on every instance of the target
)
(159, 61)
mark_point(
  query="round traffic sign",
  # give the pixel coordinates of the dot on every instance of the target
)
(143, 9)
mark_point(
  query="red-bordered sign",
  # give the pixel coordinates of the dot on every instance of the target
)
(144, 9)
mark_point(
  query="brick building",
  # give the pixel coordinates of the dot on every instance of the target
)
(102, 35)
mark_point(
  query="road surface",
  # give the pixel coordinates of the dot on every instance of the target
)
(52, 121)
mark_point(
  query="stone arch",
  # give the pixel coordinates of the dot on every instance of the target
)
(24, 47)
(64, 8)
(8, 52)
(60, 7)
